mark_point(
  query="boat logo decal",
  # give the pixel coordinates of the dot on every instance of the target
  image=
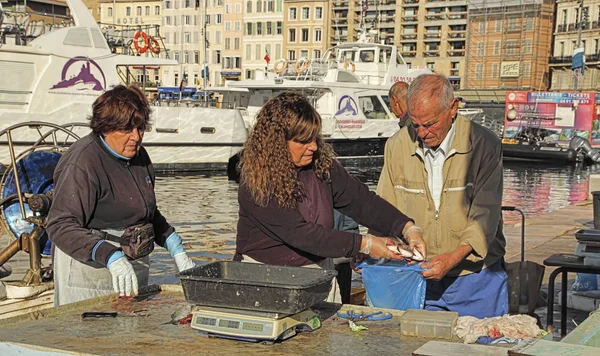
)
(347, 106)
(81, 73)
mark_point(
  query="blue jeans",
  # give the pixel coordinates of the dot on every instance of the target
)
(482, 295)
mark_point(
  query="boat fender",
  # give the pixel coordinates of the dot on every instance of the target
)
(301, 65)
(153, 45)
(136, 42)
(349, 63)
(280, 65)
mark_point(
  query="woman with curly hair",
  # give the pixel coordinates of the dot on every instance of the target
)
(289, 186)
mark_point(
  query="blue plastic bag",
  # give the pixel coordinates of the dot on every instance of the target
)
(393, 284)
(584, 282)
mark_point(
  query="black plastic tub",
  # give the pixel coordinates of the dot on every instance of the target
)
(257, 287)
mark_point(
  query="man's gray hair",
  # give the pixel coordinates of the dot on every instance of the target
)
(427, 86)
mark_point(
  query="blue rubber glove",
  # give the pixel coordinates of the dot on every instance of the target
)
(174, 245)
(123, 275)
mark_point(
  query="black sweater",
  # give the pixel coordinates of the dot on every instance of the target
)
(93, 189)
(279, 236)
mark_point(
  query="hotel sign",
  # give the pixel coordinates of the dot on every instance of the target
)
(130, 20)
(509, 69)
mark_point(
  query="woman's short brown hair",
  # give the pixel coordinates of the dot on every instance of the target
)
(123, 108)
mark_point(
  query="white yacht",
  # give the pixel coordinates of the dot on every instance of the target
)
(348, 87)
(53, 66)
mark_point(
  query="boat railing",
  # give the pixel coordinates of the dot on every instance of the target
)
(135, 40)
(301, 69)
(20, 27)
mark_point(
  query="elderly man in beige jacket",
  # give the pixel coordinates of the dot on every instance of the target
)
(446, 173)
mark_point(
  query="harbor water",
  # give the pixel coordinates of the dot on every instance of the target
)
(204, 209)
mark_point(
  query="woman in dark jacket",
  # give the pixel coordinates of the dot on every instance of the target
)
(290, 184)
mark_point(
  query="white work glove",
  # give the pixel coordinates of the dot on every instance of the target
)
(174, 244)
(123, 276)
(183, 261)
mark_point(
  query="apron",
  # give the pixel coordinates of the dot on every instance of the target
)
(334, 294)
(75, 281)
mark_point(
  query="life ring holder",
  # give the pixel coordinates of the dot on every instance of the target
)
(280, 65)
(301, 65)
(153, 45)
(136, 42)
(349, 63)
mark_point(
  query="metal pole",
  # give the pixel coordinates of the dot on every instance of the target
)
(13, 162)
(114, 11)
(580, 25)
(204, 62)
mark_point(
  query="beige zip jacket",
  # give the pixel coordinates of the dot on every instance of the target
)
(470, 212)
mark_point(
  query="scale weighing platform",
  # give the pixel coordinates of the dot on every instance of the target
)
(246, 325)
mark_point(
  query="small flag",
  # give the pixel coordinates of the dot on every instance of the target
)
(267, 58)
(578, 59)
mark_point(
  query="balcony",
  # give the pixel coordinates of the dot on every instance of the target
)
(434, 17)
(456, 15)
(432, 35)
(431, 53)
(562, 28)
(456, 52)
(409, 2)
(561, 59)
(336, 39)
(340, 3)
(454, 73)
(339, 22)
(409, 36)
(412, 53)
(457, 35)
(410, 18)
(595, 25)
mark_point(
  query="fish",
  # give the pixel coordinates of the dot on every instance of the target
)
(413, 255)
(181, 315)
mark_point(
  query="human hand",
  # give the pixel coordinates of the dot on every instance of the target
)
(414, 237)
(437, 267)
(379, 249)
(123, 277)
(359, 258)
(183, 261)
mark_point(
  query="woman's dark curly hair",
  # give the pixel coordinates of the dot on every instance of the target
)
(267, 169)
(123, 108)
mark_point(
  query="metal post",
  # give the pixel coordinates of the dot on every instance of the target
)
(580, 25)
(13, 162)
(205, 62)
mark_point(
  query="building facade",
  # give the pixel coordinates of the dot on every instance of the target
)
(509, 44)
(232, 40)
(120, 21)
(95, 8)
(305, 29)
(213, 36)
(263, 34)
(433, 34)
(577, 25)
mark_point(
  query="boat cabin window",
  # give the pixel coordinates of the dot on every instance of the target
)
(372, 107)
(367, 55)
(385, 54)
(346, 55)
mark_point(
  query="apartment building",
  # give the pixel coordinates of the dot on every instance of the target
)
(120, 20)
(232, 40)
(509, 44)
(181, 26)
(263, 34)
(94, 7)
(574, 19)
(433, 34)
(305, 28)
(213, 37)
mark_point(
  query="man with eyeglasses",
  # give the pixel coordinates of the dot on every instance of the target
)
(445, 172)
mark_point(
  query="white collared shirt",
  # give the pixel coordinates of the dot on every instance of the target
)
(434, 165)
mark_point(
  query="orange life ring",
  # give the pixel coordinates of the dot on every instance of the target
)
(154, 45)
(301, 65)
(280, 66)
(136, 42)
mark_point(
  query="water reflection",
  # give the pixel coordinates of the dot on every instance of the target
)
(204, 208)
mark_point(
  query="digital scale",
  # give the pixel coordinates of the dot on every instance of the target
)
(246, 325)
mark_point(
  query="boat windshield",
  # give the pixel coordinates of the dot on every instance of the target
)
(20, 24)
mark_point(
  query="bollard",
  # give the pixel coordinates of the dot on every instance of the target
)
(596, 200)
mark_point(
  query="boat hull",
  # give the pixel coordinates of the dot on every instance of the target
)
(546, 154)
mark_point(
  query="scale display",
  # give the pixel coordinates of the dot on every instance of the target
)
(245, 326)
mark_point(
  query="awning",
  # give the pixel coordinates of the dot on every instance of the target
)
(231, 74)
(175, 90)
